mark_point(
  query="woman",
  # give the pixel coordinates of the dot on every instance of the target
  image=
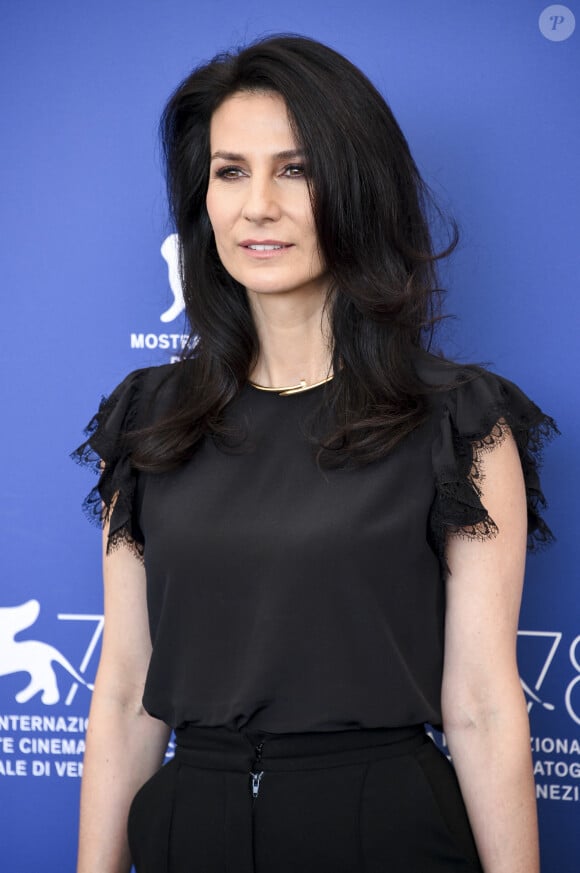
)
(314, 529)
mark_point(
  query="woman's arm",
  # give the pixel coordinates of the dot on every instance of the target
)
(125, 746)
(484, 711)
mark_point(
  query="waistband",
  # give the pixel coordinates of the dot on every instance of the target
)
(222, 748)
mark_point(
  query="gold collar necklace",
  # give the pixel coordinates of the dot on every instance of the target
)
(291, 389)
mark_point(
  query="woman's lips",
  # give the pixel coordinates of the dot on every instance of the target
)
(264, 249)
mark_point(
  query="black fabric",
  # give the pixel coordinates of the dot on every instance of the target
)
(374, 803)
(222, 748)
(285, 598)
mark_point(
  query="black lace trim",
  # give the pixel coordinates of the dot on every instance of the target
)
(458, 510)
(123, 538)
(111, 499)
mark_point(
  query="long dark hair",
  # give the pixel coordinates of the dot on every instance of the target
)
(371, 211)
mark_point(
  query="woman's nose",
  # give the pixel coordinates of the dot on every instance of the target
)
(262, 200)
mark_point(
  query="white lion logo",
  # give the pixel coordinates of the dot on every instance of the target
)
(170, 253)
(31, 656)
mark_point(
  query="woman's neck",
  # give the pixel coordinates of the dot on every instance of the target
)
(294, 335)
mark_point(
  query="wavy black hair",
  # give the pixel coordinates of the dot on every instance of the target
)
(371, 211)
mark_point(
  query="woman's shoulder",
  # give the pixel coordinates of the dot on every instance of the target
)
(478, 401)
(473, 411)
(443, 376)
(134, 403)
(146, 391)
(439, 372)
(146, 381)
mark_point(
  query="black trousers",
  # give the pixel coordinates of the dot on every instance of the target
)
(356, 801)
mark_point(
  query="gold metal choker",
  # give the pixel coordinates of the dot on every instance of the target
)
(291, 389)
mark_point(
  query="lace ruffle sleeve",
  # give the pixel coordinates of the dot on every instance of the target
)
(475, 417)
(112, 497)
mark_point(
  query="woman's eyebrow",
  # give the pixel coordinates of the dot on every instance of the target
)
(279, 156)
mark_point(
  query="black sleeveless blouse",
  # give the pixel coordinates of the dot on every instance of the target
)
(283, 597)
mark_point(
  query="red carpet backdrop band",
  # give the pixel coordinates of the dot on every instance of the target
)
(487, 96)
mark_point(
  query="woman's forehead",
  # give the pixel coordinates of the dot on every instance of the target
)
(255, 119)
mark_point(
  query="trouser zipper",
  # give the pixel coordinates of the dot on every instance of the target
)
(256, 774)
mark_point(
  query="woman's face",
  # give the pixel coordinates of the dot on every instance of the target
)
(258, 201)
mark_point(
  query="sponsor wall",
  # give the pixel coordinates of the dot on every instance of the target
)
(487, 96)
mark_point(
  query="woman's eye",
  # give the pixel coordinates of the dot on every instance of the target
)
(228, 172)
(294, 170)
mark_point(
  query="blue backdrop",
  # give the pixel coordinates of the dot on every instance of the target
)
(487, 95)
